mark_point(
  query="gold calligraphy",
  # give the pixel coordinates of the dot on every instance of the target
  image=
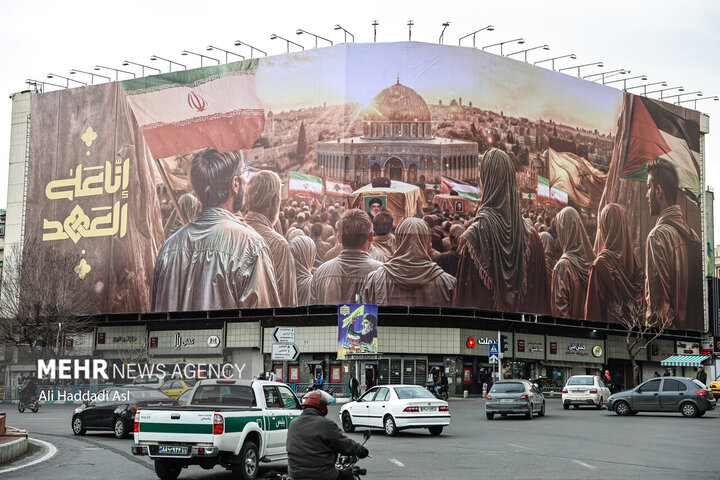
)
(110, 179)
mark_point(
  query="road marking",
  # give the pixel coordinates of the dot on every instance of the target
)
(585, 465)
(397, 462)
(50, 453)
(519, 446)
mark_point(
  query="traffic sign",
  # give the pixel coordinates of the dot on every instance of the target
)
(493, 349)
(285, 352)
(494, 359)
(284, 334)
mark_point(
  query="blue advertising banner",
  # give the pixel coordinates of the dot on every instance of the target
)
(357, 331)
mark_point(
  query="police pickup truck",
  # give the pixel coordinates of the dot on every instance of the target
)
(232, 423)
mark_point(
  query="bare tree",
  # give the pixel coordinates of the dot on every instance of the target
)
(640, 332)
(44, 298)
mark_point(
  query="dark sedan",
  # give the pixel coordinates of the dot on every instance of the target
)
(666, 394)
(114, 409)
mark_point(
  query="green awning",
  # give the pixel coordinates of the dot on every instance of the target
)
(684, 360)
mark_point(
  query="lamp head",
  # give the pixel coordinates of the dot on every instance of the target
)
(125, 63)
(273, 36)
(50, 75)
(184, 52)
(663, 84)
(716, 99)
(600, 64)
(238, 43)
(546, 47)
(153, 58)
(644, 77)
(209, 48)
(96, 67)
(681, 89)
(573, 56)
(72, 72)
(299, 32)
(338, 27)
(699, 94)
(446, 24)
(521, 41)
(490, 28)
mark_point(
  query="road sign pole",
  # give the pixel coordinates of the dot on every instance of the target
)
(499, 357)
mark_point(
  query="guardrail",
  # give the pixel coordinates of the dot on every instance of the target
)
(334, 389)
(54, 394)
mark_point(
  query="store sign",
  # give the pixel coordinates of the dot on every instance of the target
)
(181, 342)
(101, 338)
(128, 339)
(538, 347)
(716, 345)
(153, 342)
(521, 345)
(597, 351)
(553, 348)
(213, 341)
(688, 348)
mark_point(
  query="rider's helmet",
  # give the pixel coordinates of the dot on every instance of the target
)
(318, 400)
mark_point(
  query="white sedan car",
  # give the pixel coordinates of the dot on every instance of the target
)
(396, 407)
(585, 390)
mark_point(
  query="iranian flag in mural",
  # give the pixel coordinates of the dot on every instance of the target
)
(543, 187)
(305, 184)
(337, 187)
(216, 106)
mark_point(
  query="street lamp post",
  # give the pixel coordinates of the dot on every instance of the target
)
(300, 31)
(171, 62)
(116, 70)
(644, 87)
(716, 98)
(143, 67)
(288, 42)
(67, 80)
(679, 89)
(599, 64)
(611, 73)
(489, 28)
(520, 41)
(544, 47)
(238, 43)
(572, 55)
(92, 75)
(375, 24)
(210, 48)
(442, 34)
(625, 80)
(338, 27)
(202, 57)
(698, 93)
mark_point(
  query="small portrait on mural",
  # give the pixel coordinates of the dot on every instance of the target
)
(459, 206)
(375, 205)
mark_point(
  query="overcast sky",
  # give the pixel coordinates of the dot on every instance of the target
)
(677, 42)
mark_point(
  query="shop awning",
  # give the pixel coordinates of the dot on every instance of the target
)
(684, 360)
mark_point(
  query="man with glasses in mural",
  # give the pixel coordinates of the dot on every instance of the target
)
(216, 261)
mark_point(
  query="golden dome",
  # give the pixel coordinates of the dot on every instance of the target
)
(398, 103)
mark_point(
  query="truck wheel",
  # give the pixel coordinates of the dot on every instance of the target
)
(166, 470)
(248, 469)
(347, 423)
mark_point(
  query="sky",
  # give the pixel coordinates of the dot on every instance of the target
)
(676, 42)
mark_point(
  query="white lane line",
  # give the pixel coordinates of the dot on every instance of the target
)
(397, 462)
(519, 446)
(585, 465)
(49, 454)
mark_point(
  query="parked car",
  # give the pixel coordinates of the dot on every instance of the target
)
(585, 390)
(514, 396)
(153, 381)
(175, 388)
(665, 394)
(396, 407)
(715, 386)
(184, 398)
(114, 409)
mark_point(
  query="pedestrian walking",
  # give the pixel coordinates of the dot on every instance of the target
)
(701, 375)
(617, 381)
(667, 372)
(353, 386)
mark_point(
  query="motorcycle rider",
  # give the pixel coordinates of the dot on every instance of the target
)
(441, 383)
(28, 391)
(313, 442)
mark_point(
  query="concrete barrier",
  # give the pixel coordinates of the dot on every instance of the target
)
(13, 449)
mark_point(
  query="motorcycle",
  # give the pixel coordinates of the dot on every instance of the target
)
(443, 395)
(345, 463)
(33, 405)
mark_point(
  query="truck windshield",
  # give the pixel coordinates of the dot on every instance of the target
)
(224, 395)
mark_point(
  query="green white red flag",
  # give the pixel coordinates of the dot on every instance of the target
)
(305, 184)
(465, 189)
(183, 111)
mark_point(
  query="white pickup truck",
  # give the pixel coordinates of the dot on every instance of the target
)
(233, 423)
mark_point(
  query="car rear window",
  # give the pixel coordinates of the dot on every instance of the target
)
(412, 392)
(580, 381)
(508, 388)
(699, 383)
(225, 395)
(147, 395)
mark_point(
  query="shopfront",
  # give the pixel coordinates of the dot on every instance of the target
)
(529, 353)
(568, 356)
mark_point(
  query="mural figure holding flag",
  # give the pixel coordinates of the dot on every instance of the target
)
(357, 330)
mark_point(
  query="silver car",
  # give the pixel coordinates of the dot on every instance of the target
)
(514, 396)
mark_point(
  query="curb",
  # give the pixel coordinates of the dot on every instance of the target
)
(14, 449)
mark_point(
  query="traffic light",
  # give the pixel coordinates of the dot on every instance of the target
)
(504, 343)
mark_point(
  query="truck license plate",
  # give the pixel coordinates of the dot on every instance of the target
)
(172, 450)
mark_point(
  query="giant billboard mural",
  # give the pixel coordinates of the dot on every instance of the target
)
(391, 174)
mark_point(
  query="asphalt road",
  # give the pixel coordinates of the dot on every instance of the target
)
(584, 443)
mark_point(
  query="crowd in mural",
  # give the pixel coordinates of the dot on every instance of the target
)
(246, 247)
